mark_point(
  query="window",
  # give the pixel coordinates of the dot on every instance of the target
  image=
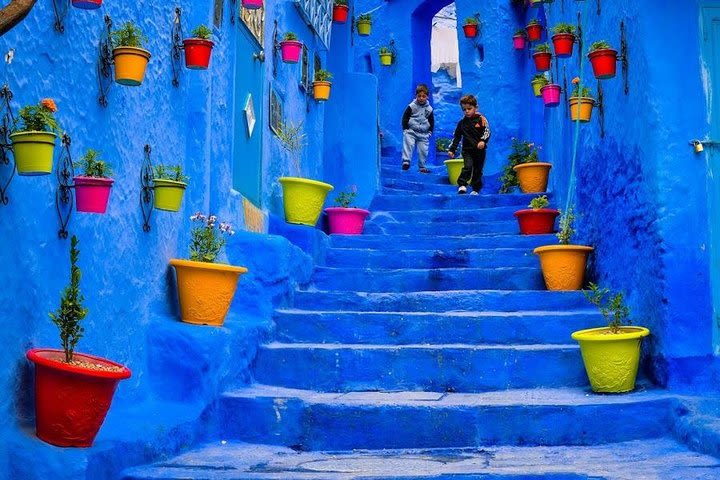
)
(218, 13)
(276, 112)
(305, 69)
(318, 14)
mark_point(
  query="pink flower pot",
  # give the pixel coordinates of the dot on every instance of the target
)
(252, 4)
(92, 194)
(290, 50)
(551, 95)
(87, 4)
(346, 221)
(518, 42)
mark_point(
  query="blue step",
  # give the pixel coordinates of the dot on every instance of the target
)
(400, 243)
(399, 200)
(437, 368)
(478, 258)
(428, 279)
(442, 228)
(445, 301)
(430, 185)
(651, 458)
(490, 214)
(400, 328)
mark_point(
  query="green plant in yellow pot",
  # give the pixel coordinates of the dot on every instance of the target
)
(611, 354)
(33, 138)
(169, 183)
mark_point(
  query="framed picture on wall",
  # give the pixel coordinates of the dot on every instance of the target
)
(276, 110)
(249, 110)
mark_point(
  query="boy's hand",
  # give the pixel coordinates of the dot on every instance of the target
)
(451, 154)
(481, 145)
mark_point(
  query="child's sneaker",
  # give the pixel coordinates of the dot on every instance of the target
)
(462, 189)
(406, 166)
(474, 193)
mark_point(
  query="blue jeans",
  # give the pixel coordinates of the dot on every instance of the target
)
(412, 138)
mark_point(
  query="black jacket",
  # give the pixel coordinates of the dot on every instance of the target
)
(471, 130)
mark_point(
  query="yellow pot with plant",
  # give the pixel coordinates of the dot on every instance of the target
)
(169, 184)
(129, 57)
(364, 24)
(386, 56)
(321, 85)
(33, 140)
(206, 288)
(611, 354)
(537, 83)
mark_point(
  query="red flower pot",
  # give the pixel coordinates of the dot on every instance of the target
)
(518, 42)
(197, 53)
(87, 4)
(536, 221)
(604, 62)
(252, 4)
(551, 95)
(563, 44)
(471, 30)
(346, 221)
(542, 61)
(92, 194)
(534, 32)
(340, 13)
(71, 401)
(290, 51)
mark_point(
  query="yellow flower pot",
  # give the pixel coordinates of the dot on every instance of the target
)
(33, 152)
(303, 199)
(386, 59)
(454, 166)
(563, 266)
(130, 65)
(533, 177)
(581, 108)
(363, 28)
(321, 90)
(168, 194)
(611, 359)
(536, 86)
(205, 290)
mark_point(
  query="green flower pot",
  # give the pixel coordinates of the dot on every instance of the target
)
(454, 167)
(168, 194)
(33, 152)
(303, 199)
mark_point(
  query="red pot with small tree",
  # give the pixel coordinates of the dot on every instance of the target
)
(563, 39)
(542, 57)
(603, 59)
(534, 30)
(340, 11)
(537, 219)
(198, 48)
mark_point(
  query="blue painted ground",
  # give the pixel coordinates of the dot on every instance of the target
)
(428, 348)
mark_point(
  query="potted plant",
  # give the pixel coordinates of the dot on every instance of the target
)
(521, 151)
(470, 27)
(252, 4)
(290, 48)
(302, 198)
(340, 11)
(537, 82)
(33, 138)
(581, 102)
(534, 30)
(198, 48)
(519, 39)
(442, 144)
(537, 219)
(92, 187)
(386, 56)
(603, 59)
(73, 391)
(87, 4)
(542, 57)
(551, 94)
(563, 39)
(346, 219)
(206, 288)
(128, 55)
(611, 354)
(321, 85)
(532, 174)
(364, 24)
(563, 265)
(169, 185)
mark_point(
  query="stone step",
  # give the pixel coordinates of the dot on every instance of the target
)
(442, 228)
(400, 328)
(438, 368)
(430, 185)
(653, 458)
(399, 243)
(479, 258)
(490, 214)
(402, 200)
(427, 279)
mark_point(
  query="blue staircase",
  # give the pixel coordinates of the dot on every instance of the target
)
(428, 348)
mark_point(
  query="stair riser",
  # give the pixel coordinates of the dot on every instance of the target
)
(431, 186)
(390, 329)
(429, 369)
(337, 279)
(401, 200)
(431, 258)
(441, 228)
(346, 427)
(403, 242)
(498, 214)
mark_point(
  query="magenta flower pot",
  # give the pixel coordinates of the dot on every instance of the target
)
(551, 95)
(518, 42)
(252, 4)
(92, 194)
(290, 51)
(346, 221)
(87, 4)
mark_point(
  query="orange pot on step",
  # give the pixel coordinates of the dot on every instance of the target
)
(563, 266)
(533, 177)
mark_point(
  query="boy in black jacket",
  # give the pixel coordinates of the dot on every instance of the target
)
(474, 131)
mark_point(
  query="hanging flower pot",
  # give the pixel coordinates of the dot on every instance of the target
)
(340, 11)
(542, 61)
(537, 83)
(563, 266)
(130, 65)
(87, 4)
(33, 152)
(470, 28)
(290, 48)
(252, 4)
(198, 48)
(303, 199)
(551, 94)
(603, 60)
(563, 44)
(168, 194)
(321, 85)
(364, 24)
(92, 194)
(534, 31)
(346, 221)
(581, 108)
(533, 176)
(454, 167)
(386, 57)
(519, 40)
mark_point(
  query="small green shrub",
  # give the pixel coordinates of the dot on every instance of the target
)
(541, 201)
(202, 32)
(521, 152)
(471, 21)
(542, 48)
(93, 166)
(612, 307)
(322, 75)
(290, 36)
(170, 172)
(601, 45)
(567, 220)
(540, 78)
(365, 18)
(564, 28)
(128, 35)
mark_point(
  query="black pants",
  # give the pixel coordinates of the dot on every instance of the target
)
(472, 171)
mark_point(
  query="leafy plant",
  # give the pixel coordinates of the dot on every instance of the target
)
(290, 36)
(541, 79)
(38, 118)
(534, 21)
(71, 312)
(385, 50)
(202, 32)
(541, 201)
(322, 75)
(520, 32)
(567, 219)
(564, 28)
(128, 35)
(92, 165)
(293, 140)
(583, 92)
(345, 199)
(442, 144)
(170, 172)
(365, 18)
(340, 2)
(601, 45)
(207, 240)
(471, 21)
(542, 48)
(521, 152)
(612, 307)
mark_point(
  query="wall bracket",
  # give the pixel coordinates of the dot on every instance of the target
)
(7, 121)
(177, 47)
(146, 192)
(64, 199)
(624, 57)
(105, 62)
(60, 7)
(600, 105)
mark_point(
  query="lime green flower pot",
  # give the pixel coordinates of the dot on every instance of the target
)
(454, 167)
(33, 152)
(168, 194)
(303, 199)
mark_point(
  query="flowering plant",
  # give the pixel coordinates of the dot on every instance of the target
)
(207, 241)
(345, 199)
(580, 91)
(522, 152)
(38, 118)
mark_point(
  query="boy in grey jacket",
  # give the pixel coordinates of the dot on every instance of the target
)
(417, 123)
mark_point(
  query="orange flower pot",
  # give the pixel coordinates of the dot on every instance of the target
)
(130, 65)
(563, 266)
(533, 177)
(581, 108)
(321, 90)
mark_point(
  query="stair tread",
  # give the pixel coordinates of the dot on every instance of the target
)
(446, 314)
(418, 346)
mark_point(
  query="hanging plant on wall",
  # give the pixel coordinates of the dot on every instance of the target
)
(470, 27)
(169, 184)
(519, 39)
(340, 11)
(33, 138)
(563, 39)
(534, 30)
(364, 24)
(92, 187)
(581, 102)
(542, 57)
(198, 48)
(130, 58)
(603, 59)
(290, 48)
(321, 85)
(551, 94)
(537, 82)
(386, 56)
